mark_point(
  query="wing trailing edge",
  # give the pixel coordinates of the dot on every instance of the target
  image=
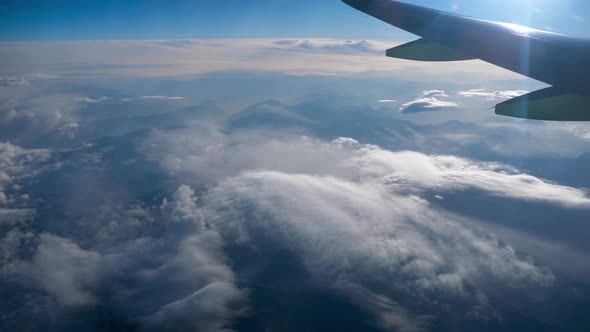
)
(549, 104)
(426, 50)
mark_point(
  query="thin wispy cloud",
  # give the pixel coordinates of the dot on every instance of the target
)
(161, 98)
(491, 95)
(24, 79)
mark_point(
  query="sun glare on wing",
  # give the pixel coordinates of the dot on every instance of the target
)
(519, 29)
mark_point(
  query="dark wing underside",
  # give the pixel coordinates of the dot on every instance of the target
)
(556, 59)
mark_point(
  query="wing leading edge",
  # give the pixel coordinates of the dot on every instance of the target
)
(556, 59)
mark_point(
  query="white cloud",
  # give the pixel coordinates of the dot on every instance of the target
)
(203, 155)
(169, 261)
(579, 130)
(427, 104)
(161, 97)
(158, 98)
(167, 58)
(12, 217)
(198, 265)
(23, 80)
(400, 242)
(513, 137)
(416, 171)
(208, 309)
(317, 198)
(11, 245)
(314, 198)
(491, 95)
(16, 163)
(434, 93)
(93, 101)
(28, 115)
(184, 206)
(63, 269)
(69, 130)
(332, 46)
(386, 101)
(429, 101)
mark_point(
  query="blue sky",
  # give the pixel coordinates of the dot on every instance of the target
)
(160, 19)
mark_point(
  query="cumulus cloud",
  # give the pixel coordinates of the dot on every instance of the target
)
(427, 104)
(65, 270)
(167, 267)
(29, 117)
(16, 164)
(213, 299)
(400, 243)
(12, 244)
(429, 101)
(387, 227)
(382, 201)
(160, 262)
(168, 272)
(434, 93)
(411, 171)
(450, 173)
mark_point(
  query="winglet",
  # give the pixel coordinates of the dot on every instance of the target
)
(425, 50)
(549, 104)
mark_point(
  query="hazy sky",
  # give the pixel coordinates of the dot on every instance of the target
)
(162, 19)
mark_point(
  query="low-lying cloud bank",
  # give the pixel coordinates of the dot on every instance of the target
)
(166, 58)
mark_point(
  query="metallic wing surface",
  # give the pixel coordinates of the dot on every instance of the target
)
(559, 60)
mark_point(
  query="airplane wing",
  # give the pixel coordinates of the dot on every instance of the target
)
(559, 60)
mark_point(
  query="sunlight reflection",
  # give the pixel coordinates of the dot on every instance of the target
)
(519, 29)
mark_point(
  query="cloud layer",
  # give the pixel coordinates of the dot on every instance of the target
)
(363, 221)
(381, 201)
(233, 223)
(165, 58)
